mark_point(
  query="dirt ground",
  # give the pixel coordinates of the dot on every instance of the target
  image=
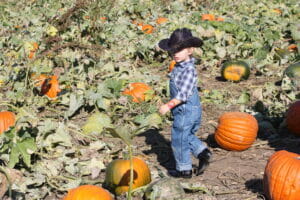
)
(231, 175)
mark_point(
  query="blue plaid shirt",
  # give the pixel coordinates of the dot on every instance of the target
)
(185, 78)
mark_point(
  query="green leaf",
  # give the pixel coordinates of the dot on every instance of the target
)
(296, 32)
(244, 98)
(115, 85)
(96, 123)
(103, 103)
(75, 103)
(261, 54)
(121, 133)
(221, 51)
(13, 156)
(26, 148)
(61, 136)
(152, 120)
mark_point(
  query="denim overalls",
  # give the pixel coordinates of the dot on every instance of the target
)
(187, 119)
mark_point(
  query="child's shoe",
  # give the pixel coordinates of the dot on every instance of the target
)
(180, 174)
(204, 158)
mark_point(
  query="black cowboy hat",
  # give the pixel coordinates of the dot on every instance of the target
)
(180, 39)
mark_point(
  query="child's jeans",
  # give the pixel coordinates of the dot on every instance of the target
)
(187, 119)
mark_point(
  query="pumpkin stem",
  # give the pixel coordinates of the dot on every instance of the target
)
(131, 172)
(8, 180)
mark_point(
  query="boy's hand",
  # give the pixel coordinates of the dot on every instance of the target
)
(164, 109)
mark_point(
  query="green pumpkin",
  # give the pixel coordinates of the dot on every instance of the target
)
(235, 71)
(293, 71)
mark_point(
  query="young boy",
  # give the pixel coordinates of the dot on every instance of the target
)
(184, 104)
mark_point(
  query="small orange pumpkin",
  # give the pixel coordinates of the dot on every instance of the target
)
(117, 175)
(50, 87)
(293, 47)
(293, 118)
(7, 119)
(236, 131)
(103, 19)
(137, 91)
(220, 19)
(31, 54)
(208, 17)
(282, 176)
(88, 192)
(172, 65)
(161, 20)
(277, 10)
(147, 28)
(33, 50)
(35, 46)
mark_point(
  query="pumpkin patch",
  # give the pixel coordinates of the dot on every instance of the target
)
(85, 81)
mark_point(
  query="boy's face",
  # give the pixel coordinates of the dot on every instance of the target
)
(183, 55)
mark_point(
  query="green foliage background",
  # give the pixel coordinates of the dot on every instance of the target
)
(96, 58)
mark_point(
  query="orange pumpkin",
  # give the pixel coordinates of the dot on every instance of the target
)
(208, 17)
(236, 131)
(137, 91)
(282, 176)
(220, 19)
(7, 119)
(117, 175)
(33, 50)
(88, 192)
(147, 28)
(103, 19)
(293, 118)
(35, 46)
(172, 65)
(161, 20)
(293, 47)
(31, 54)
(50, 87)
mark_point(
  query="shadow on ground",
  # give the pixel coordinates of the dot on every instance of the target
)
(255, 186)
(159, 146)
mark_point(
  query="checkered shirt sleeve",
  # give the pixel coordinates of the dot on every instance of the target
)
(185, 82)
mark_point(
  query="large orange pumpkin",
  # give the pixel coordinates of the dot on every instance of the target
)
(293, 118)
(137, 91)
(88, 192)
(50, 87)
(282, 176)
(7, 119)
(117, 175)
(236, 131)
